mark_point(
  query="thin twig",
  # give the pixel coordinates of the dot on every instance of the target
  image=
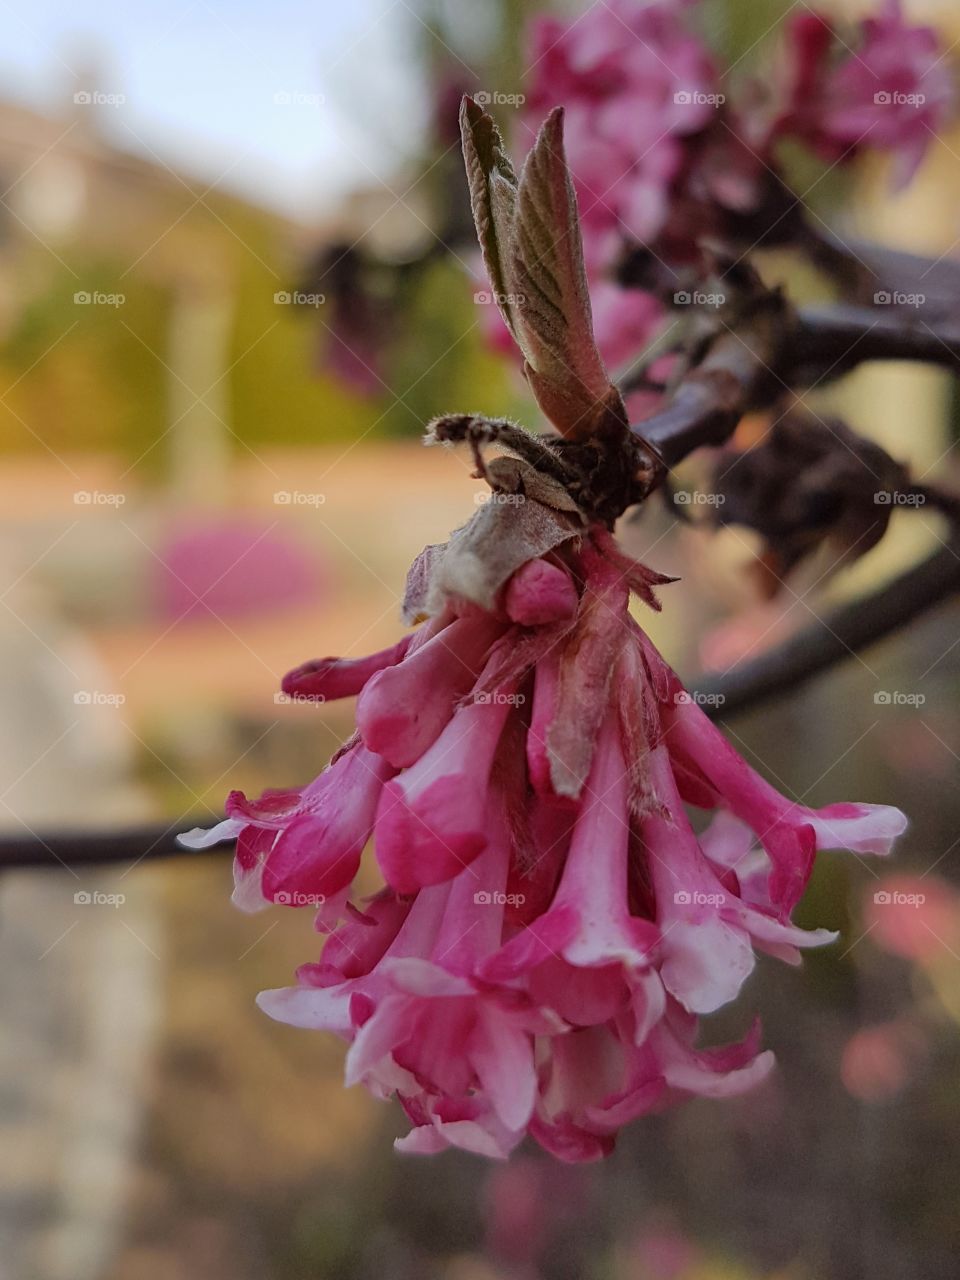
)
(67, 850)
(848, 630)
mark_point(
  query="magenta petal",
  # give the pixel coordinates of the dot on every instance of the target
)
(545, 691)
(429, 843)
(326, 679)
(711, 1073)
(502, 1057)
(404, 708)
(480, 1138)
(378, 1037)
(318, 852)
(595, 877)
(541, 940)
(269, 810)
(304, 866)
(434, 819)
(569, 1142)
(540, 593)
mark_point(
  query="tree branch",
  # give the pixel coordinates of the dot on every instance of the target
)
(72, 849)
(869, 333)
(849, 629)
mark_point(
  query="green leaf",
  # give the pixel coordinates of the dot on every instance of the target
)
(493, 198)
(529, 234)
(553, 319)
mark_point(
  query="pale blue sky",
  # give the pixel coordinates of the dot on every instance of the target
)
(200, 79)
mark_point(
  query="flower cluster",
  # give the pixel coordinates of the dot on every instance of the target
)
(892, 91)
(662, 161)
(552, 925)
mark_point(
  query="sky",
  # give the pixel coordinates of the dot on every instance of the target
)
(291, 102)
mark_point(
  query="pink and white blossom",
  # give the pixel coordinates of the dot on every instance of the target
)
(552, 927)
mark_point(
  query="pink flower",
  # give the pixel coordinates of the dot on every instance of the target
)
(551, 926)
(892, 90)
(879, 1061)
(894, 93)
(662, 163)
(915, 917)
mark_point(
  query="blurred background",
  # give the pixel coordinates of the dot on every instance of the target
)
(202, 483)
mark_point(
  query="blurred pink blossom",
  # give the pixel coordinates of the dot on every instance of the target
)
(916, 917)
(879, 1061)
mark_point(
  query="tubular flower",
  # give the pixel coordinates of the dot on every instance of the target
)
(551, 925)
